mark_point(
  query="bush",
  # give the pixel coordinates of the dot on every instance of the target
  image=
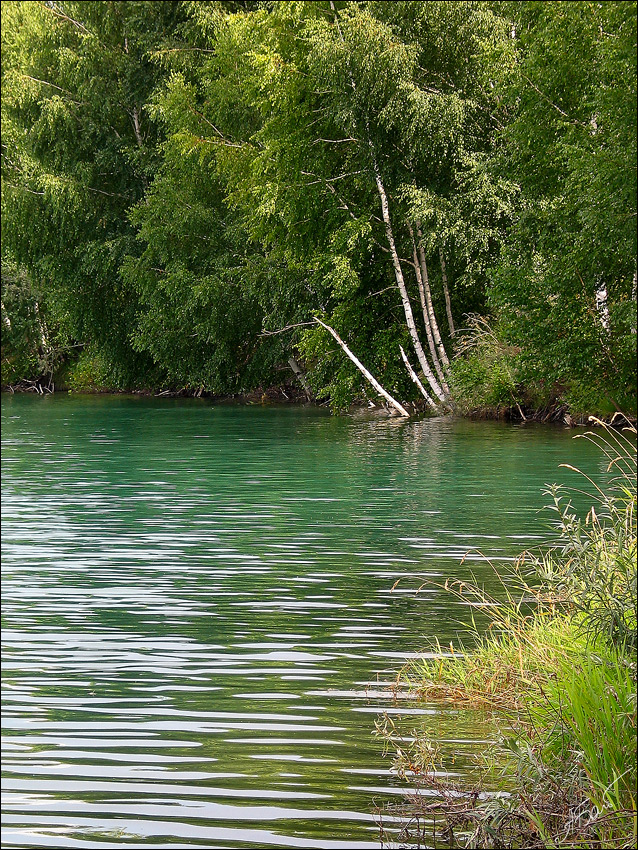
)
(90, 374)
(593, 565)
(484, 370)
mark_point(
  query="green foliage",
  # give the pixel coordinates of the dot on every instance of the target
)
(589, 714)
(573, 752)
(566, 747)
(32, 347)
(20, 338)
(90, 373)
(484, 371)
(593, 564)
(79, 148)
(560, 661)
(565, 283)
(181, 179)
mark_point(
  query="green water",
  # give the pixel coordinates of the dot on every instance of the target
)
(199, 622)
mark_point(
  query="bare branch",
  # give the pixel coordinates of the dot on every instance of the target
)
(381, 291)
(51, 7)
(24, 189)
(551, 103)
(102, 192)
(53, 86)
(210, 124)
(332, 189)
(181, 50)
(329, 179)
(287, 328)
(334, 141)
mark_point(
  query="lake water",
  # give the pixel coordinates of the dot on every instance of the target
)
(200, 625)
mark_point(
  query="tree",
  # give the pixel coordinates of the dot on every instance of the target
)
(343, 136)
(565, 285)
(78, 150)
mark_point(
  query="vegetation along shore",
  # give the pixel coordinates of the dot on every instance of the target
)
(557, 666)
(425, 206)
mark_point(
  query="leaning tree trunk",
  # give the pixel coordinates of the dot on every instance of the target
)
(363, 370)
(428, 298)
(446, 293)
(398, 272)
(407, 307)
(300, 377)
(426, 317)
(417, 380)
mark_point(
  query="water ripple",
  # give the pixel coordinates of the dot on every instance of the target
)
(202, 617)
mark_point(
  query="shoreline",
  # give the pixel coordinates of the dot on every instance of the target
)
(557, 413)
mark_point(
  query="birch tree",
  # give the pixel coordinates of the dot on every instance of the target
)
(344, 111)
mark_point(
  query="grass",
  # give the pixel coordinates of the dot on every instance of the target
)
(558, 663)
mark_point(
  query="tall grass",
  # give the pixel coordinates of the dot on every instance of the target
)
(593, 566)
(558, 662)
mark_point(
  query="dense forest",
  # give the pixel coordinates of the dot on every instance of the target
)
(215, 197)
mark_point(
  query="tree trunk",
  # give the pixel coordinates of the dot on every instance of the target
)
(426, 317)
(398, 274)
(363, 370)
(601, 305)
(416, 380)
(41, 328)
(446, 293)
(5, 317)
(428, 298)
(135, 118)
(300, 376)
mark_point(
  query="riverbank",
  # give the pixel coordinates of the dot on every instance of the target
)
(558, 665)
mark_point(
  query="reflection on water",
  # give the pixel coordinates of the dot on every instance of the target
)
(199, 620)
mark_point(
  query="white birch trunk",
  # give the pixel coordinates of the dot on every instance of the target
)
(363, 370)
(416, 380)
(300, 375)
(407, 307)
(135, 118)
(426, 317)
(428, 298)
(601, 306)
(446, 293)
(6, 321)
(398, 272)
(43, 336)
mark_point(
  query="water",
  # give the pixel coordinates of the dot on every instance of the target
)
(200, 625)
